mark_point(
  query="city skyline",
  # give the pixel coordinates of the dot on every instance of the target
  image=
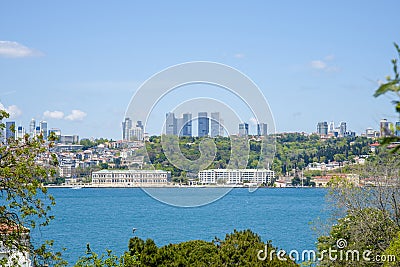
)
(305, 58)
(129, 128)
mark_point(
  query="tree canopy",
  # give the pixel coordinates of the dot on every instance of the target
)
(239, 248)
(24, 164)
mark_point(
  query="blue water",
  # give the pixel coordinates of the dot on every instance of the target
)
(105, 218)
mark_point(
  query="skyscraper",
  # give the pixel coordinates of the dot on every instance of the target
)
(20, 132)
(187, 124)
(126, 127)
(397, 129)
(322, 128)
(37, 131)
(215, 124)
(331, 127)
(384, 128)
(10, 130)
(221, 127)
(140, 124)
(342, 128)
(43, 129)
(32, 127)
(170, 124)
(203, 124)
(262, 129)
(136, 134)
(243, 129)
(179, 126)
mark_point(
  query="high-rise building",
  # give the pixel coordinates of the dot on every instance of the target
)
(170, 124)
(322, 128)
(371, 133)
(331, 127)
(262, 129)
(136, 134)
(397, 129)
(10, 130)
(215, 124)
(20, 132)
(221, 127)
(203, 124)
(179, 126)
(37, 131)
(126, 127)
(384, 128)
(43, 129)
(342, 128)
(57, 134)
(140, 124)
(243, 129)
(187, 124)
(32, 127)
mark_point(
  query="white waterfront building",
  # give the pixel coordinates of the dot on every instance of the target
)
(126, 178)
(236, 176)
(14, 256)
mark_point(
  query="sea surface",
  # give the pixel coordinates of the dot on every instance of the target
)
(105, 217)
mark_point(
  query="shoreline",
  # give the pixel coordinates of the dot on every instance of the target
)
(80, 186)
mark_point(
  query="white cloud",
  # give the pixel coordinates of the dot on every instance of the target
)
(239, 55)
(324, 64)
(76, 115)
(253, 121)
(329, 57)
(318, 64)
(53, 114)
(13, 110)
(16, 50)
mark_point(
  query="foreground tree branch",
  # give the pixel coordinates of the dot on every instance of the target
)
(25, 203)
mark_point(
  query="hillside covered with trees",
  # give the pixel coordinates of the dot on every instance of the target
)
(293, 151)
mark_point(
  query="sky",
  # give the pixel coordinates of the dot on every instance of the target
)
(77, 64)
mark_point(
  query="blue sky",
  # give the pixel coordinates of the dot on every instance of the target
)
(77, 64)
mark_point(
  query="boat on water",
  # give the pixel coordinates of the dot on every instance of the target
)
(76, 187)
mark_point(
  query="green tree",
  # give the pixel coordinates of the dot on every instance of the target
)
(368, 218)
(92, 259)
(25, 202)
(392, 85)
(393, 250)
(239, 248)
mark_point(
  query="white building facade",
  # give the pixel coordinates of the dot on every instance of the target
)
(126, 178)
(14, 256)
(236, 176)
